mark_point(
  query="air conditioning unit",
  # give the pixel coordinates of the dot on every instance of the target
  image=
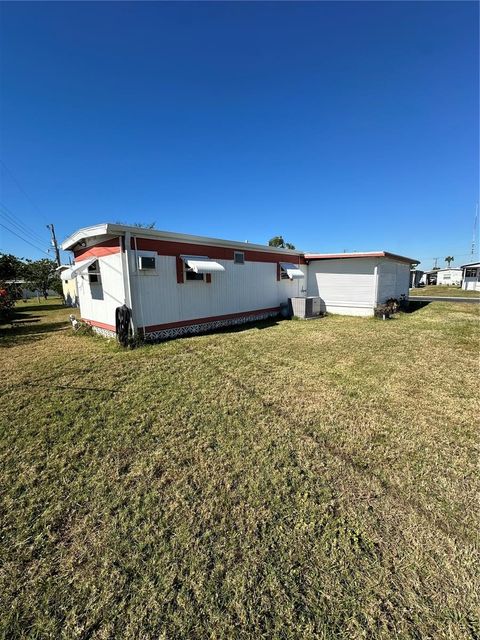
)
(146, 263)
(309, 307)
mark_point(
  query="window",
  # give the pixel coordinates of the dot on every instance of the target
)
(200, 268)
(470, 273)
(190, 274)
(238, 257)
(94, 273)
(146, 262)
(290, 271)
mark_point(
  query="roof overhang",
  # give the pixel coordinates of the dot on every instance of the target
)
(83, 234)
(470, 265)
(365, 254)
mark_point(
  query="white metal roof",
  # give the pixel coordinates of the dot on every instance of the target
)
(359, 254)
(108, 228)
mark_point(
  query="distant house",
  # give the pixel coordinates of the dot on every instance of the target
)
(415, 278)
(175, 284)
(429, 277)
(471, 276)
(449, 276)
(21, 290)
(69, 287)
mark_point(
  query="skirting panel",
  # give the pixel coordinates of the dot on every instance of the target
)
(167, 334)
(349, 311)
(104, 332)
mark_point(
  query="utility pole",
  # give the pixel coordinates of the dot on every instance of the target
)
(435, 265)
(475, 232)
(54, 242)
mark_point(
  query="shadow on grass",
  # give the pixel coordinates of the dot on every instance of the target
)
(27, 308)
(415, 305)
(247, 326)
(26, 331)
(236, 328)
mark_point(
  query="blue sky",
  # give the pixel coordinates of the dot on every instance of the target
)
(342, 126)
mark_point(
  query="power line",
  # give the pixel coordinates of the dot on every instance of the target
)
(19, 229)
(25, 240)
(9, 217)
(21, 188)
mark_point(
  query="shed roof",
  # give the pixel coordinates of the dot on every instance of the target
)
(359, 254)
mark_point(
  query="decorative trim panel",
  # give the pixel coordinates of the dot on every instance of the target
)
(192, 329)
(105, 333)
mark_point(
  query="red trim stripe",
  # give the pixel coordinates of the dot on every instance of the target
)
(106, 248)
(228, 316)
(100, 325)
(179, 265)
(170, 248)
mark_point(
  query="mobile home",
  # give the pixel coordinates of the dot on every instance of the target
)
(175, 284)
(449, 276)
(471, 276)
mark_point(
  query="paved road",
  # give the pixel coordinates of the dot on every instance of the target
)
(444, 299)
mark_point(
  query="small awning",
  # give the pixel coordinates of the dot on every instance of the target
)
(72, 272)
(202, 264)
(292, 270)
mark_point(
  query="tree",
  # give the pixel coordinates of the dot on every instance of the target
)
(145, 225)
(139, 225)
(278, 241)
(449, 259)
(42, 275)
(11, 267)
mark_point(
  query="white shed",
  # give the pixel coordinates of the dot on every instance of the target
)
(449, 276)
(356, 283)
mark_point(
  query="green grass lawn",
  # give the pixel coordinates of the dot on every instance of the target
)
(444, 290)
(310, 479)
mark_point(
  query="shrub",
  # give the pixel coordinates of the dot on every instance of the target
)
(391, 306)
(7, 303)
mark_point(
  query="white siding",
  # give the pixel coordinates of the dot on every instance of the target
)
(345, 286)
(98, 301)
(449, 276)
(159, 299)
(393, 279)
(471, 284)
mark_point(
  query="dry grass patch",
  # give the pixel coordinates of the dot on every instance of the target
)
(302, 480)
